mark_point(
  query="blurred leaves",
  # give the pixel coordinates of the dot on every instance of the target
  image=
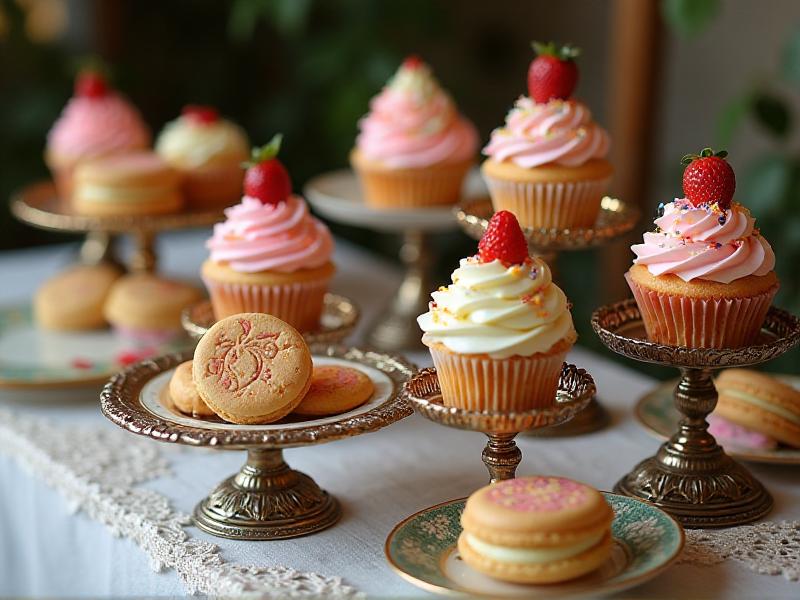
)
(288, 17)
(790, 61)
(689, 17)
(772, 114)
(766, 182)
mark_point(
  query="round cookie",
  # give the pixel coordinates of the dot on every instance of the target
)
(73, 300)
(536, 530)
(252, 368)
(761, 403)
(335, 389)
(184, 394)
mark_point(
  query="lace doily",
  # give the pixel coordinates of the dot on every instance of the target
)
(97, 469)
(767, 548)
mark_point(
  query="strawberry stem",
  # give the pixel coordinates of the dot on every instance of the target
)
(567, 52)
(264, 153)
(704, 153)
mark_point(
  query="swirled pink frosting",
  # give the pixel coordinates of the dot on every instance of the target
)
(280, 237)
(705, 243)
(413, 123)
(90, 127)
(560, 132)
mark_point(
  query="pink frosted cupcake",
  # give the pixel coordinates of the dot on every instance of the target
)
(414, 148)
(704, 278)
(269, 255)
(97, 122)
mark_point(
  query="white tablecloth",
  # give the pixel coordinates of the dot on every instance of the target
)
(379, 478)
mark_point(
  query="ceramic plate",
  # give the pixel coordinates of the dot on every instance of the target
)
(35, 358)
(657, 412)
(422, 549)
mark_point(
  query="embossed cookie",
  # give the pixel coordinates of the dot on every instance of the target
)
(335, 389)
(252, 368)
(183, 392)
(536, 530)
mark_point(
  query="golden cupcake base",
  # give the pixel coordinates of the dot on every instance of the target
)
(691, 477)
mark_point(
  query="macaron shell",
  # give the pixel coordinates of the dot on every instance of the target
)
(762, 386)
(335, 389)
(73, 300)
(760, 420)
(550, 572)
(184, 394)
(145, 301)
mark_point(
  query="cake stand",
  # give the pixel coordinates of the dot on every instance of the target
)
(691, 476)
(337, 196)
(39, 205)
(339, 318)
(501, 454)
(616, 218)
(266, 499)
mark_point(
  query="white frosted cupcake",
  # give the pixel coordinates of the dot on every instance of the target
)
(499, 333)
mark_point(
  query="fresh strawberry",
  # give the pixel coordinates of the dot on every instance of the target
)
(413, 61)
(708, 178)
(202, 115)
(503, 240)
(553, 73)
(90, 84)
(266, 177)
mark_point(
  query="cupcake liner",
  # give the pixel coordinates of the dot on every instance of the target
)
(701, 322)
(480, 383)
(408, 188)
(299, 304)
(551, 204)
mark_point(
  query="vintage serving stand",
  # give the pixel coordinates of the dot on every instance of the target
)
(616, 218)
(691, 476)
(39, 205)
(266, 499)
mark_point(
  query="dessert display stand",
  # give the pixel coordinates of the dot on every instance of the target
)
(691, 477)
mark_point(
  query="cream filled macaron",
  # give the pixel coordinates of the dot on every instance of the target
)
(536, 530)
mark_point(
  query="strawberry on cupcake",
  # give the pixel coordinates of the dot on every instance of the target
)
(547, 164)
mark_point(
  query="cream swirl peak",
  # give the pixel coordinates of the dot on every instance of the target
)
(499, 310)
(281, 237)
(559, 131)
(705, 242)
(413, 123)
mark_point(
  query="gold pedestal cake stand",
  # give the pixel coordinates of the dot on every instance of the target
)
(690, 476)
(616, 218)
(266, 499)
(39, 205)
(501, 454)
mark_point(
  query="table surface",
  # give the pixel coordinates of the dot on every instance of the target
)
(379, 478)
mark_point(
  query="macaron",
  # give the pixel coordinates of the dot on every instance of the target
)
(138, 183)
(147, 308)
(335, 389)
(760, 403)
(537, 529)
(252, 368)
(183, 392)
(73, 300)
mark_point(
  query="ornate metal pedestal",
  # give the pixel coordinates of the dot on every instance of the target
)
(690, 476)
(501, 454)
(39, 205)
(616, 218)
(266, 499)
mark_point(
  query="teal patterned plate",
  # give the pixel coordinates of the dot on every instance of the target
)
(34, 358)
(422, 549)
(656, 411)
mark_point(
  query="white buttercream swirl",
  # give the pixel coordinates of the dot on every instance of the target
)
(497, 310)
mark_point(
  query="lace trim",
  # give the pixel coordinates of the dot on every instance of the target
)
(97, 468)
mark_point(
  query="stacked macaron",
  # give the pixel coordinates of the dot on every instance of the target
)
(536, 530)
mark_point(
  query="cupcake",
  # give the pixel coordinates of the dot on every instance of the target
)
(704, 278)
(208, 151)
(96, 122)
(547, 164)
(269, 255)
(414, 148)
(499, 334)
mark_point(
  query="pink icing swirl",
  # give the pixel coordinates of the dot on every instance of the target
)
(91, 127)
(266, 237)
(705, 243)
(538, 494)
(413, 123)
(560, 132)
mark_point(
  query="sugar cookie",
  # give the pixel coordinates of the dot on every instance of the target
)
(335, 389)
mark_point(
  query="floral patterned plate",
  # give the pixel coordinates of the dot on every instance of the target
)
(35, 358)
(422, 549)
(657, 412)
